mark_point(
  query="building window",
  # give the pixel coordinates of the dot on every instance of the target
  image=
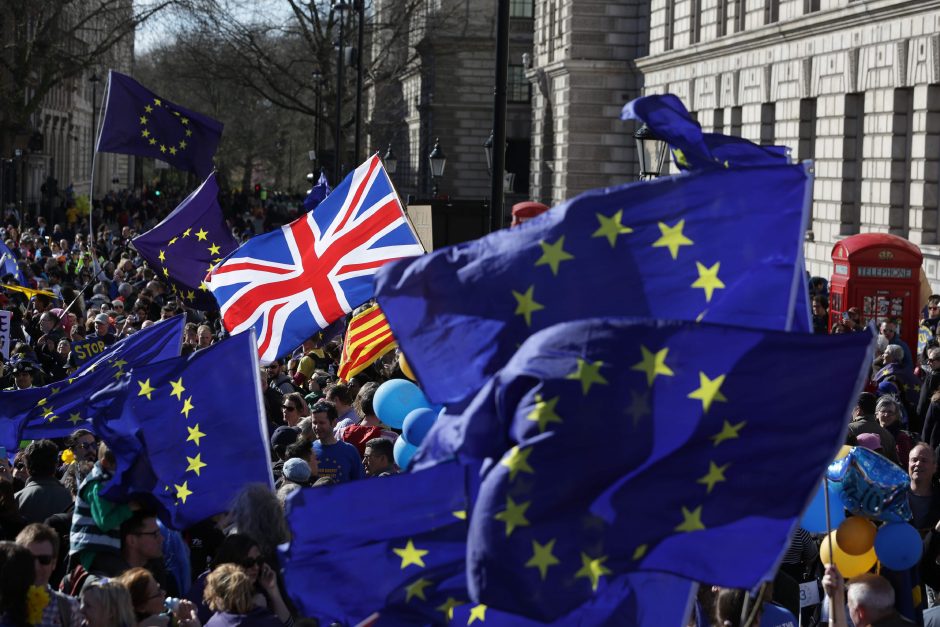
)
(810, 6)
(519, 88)
(696, 21)
(851, 209)
(771, 11)
(739, 14)
(719, 121)
(768, 118)
(669, 24)
(736, 115)
(901, 145)
(807, 142)
(521, 8)
(722, 18)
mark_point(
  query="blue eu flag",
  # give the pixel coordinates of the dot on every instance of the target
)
(409, 567)
(187, 243)
(318, 193)
(718, 245)
(668, 119)
(9, 265)
(187, 431)
(57, 409)
(632, 446)
(139, 122)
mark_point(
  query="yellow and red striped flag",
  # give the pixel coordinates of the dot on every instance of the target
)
(368, 337)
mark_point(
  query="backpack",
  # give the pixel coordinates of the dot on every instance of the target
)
(358, 435)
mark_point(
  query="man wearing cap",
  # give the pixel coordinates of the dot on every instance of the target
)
(103, 330)
(22, 376)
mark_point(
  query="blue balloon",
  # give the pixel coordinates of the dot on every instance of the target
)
(814, 518)
(403, 452)
(394, 399)
(417, 424)
(898, 546)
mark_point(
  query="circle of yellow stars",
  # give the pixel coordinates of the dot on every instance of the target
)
(148, 135)
(194, 464)
(214, 250)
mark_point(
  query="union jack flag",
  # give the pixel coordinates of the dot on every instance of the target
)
(291, 283)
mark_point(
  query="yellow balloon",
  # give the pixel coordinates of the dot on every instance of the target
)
(849, 565)
(845, 450)
(856, 535)
(405, 368)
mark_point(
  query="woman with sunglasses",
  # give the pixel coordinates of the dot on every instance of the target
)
(294, 407)
(150, 602)
(242, 551)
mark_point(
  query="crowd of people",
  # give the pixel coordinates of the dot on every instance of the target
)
(70, 557)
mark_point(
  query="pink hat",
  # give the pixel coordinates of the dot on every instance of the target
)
(869, 440)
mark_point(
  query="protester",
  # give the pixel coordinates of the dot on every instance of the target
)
(17, 574)
(107, 604)
(43, 543)
(43, 495)
(337, 460)
(229, 595)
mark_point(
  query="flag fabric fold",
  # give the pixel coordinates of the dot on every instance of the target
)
(368, 337)
(669, 121)
(318, 193)
(189, 432)
(187, 243)
(292, 282)
(716, 245)
(410, 569)
(625, 445)
(58, 409)
(139, 122)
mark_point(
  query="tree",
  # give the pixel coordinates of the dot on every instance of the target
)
(51, 43)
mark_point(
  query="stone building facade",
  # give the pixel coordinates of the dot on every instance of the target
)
(852, 84)
(443, 89)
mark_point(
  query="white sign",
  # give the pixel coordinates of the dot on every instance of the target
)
(6, 320)
(809, 593)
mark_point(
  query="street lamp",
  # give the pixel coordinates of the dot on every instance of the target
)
(390, 161)
(317, 83)
(437, 161)
(488, 149)
(94, 80)
(651, 151)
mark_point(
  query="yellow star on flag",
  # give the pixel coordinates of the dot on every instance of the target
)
(145, 389)
(513, 515)
(75, 418)
(728, 432)
(203, 286)
(477, 612)
(611, 227)
(409, 555)
(182, 144)
(588, 374)
(182, 491)
(460, 514)
(542, 557)
(157, 101)
(708, 279)
(672, 238)
(172, 150)
(166, 272)
(195, 463)
(201, 234)
(526, 304)
(152, 141)
(145, 133)
(448, 607)
(517, 460)
(188, 133)
(162, 148)
(653, 364)
(148, 109)
(592, 569)
(553, 254)
(715, 474)
(178, 389)
(187, 407)
(190, 295)
(172, 241)
(544, 412)
(187, 232)
(143, 119)
(195, 434)
(416, 589)
(42, 401)
(639, 552)
(709, 390)
(185, 120)
(162, 256)
(214, 249)
(47, 411)
(691, 521)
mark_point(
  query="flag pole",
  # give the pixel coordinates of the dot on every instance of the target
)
(95, 132)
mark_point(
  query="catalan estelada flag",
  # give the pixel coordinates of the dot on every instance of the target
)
(368, 337)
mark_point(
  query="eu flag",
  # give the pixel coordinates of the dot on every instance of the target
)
(634, 446)
(9, 265)
(409, 568)
(57, 409)
(189, 431)
(139, 122)
(187, 243)
(716, 245)
(669, 121)
(318, 193)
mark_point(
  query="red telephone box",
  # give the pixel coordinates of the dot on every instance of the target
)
(880, 274)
